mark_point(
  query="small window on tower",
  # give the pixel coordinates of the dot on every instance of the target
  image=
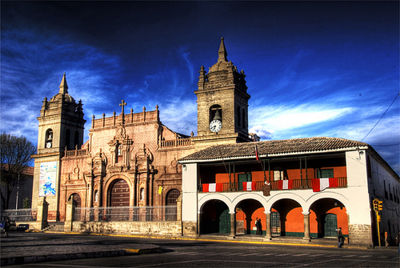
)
(49, 138)
(118, 151)
(76, 138)
(215, 113)
(68, 139)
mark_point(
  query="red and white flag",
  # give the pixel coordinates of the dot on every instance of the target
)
(285, 184)
(256, 150)
(323, 183)
(212, 187)
(249, 186)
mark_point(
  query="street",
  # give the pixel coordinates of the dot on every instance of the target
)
(183, 253)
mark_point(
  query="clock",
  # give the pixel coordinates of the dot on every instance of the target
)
(48, 144)
(215, 126)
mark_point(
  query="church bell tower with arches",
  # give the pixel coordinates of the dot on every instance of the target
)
(61, 127)
(222, 103)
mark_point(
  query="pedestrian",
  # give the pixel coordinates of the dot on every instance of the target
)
(386, 240)
(258, 226)
(340, 237)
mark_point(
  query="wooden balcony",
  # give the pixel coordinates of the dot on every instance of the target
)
(296, 184)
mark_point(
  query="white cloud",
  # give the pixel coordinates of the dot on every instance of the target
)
(274, 119)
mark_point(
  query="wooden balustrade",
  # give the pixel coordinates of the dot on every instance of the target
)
(296, 184)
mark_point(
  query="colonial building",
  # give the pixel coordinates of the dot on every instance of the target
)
(301, 187)
(131, 159)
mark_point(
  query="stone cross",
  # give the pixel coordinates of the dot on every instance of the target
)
(122, 104)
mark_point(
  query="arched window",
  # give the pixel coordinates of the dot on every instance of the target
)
(76, 139)
(68, 139)
(243, 118)
(238, 119)
(118, 153)
(49, 138)
(215, 110)
(170, 202)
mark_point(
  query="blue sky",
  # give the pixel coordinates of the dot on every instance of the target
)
(313, 68)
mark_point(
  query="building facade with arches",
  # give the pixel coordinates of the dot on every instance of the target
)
(301, 187)
(131, 159)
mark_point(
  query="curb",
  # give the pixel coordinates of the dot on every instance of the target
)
(83, 255)
(233, 241)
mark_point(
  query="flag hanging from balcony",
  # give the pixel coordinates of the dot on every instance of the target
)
(212, 187)
(249, 185)
(285, 184)
(323, 183)
(256, 151)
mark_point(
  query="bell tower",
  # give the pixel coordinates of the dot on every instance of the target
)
(61, 126)
(222, 103)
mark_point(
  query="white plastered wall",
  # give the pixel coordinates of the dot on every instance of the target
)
(189, 192)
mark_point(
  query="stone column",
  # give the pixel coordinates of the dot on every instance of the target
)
(42, 210)
(306, 226)
(179, 208)
(233, 224)
(268, 235)
(198, 223)
(69, 214)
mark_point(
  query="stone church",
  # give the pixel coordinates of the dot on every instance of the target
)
(131, 159)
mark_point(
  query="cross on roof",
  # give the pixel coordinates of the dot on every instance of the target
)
(122, 104)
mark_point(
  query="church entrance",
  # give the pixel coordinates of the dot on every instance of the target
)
(76, 199)
(119, 194)
(118, 200)
(170, 202)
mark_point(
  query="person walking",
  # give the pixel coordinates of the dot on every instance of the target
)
(340, 237)
(258, 226)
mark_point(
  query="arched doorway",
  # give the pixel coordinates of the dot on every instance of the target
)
(248, 211)
(287, 218)
(330, 214)
(76, 201)
(215, 218)
(170, 202)
(330, 225)
(118, 196)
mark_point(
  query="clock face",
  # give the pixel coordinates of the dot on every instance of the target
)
(215, 125)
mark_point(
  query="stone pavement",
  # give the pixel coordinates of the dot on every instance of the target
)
(20, 247)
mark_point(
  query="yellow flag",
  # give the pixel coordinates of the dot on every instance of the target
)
(159, 190)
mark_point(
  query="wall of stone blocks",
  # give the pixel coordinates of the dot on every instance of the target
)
(163, 228)
(360, 234)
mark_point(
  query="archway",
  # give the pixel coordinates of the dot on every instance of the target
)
(287, 218)
(118, 200)
(215, 218)
(170, 202)
(330, 214)
(76, 200)
(248, 211)
(119, 193)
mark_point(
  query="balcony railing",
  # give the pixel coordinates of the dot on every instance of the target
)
(20, 214)
(176, 143)
(146, 213)
(297, 184)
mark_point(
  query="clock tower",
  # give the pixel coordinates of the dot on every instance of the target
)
(222, 103)
(61, 127)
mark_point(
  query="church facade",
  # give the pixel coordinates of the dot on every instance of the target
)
(131, 159)
(226, 181)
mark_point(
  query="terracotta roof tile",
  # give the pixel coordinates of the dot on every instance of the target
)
(273, 147)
